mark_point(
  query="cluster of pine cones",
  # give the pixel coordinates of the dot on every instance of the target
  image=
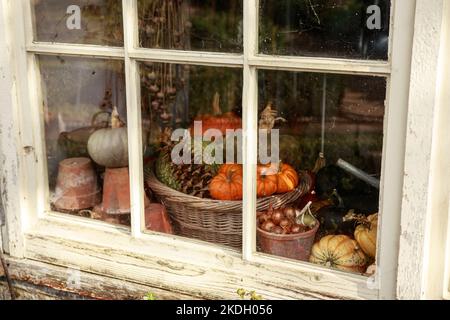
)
(191, 179)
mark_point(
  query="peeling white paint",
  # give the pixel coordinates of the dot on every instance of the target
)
(421, 219)
(9, 135)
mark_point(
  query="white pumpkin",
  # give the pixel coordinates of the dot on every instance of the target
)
(109, 147)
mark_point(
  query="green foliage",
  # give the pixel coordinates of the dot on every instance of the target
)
(248, 295)
(149, 296)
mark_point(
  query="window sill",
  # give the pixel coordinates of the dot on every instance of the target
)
(183, 266)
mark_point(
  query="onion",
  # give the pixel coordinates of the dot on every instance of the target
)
(263, 218)
(309, 221)
(284, 223)
(287, 229)
(277, 230)
(268, 226)
(289, 212)
(297, 228)
(277, 216)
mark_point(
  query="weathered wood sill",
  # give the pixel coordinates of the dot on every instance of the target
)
(35, 280)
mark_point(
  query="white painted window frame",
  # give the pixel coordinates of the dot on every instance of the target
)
(35, 233)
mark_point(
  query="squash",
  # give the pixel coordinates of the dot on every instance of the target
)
(218, 120)
(284, 175)
(267, 181)
(366, 235)
(230, 168)
(108, 147)
(287, 178)
(340, 252)
(227, 184)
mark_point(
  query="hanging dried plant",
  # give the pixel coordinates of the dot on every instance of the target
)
(163, 24)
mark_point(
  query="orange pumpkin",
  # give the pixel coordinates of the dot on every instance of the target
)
(227, 185)
(287, 178)
(230, 168)
(218, 120)
(222, 123)
(340, 252)
(267, 181)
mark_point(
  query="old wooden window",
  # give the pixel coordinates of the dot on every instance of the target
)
(171, 62)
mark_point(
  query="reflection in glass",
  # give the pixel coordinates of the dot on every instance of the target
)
(178, 97)
(357, 29)
(209, 25)
(86, 137)
(330, 138)
(97, 22)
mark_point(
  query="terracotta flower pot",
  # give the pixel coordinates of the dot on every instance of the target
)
(156, 219)
(293, 246)
(76, 185)
(116, 192)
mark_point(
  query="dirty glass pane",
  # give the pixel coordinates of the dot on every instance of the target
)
(199, 25)
(188, 112)
(86, 137)
(357, 29)
(320, 167)
(97, 22)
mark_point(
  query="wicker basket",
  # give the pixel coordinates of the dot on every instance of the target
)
(211, 220)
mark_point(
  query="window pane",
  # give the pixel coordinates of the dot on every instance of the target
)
(326, 132)
(200, 25)
(186, 110)
(97, 22)
(357, 29)
(86, 141)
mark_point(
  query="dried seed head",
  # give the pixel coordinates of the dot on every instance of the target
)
(151, 76)
(160, 95)
(149, 30)
(154, 88)
(155, 105)
(165, 116)
(171, 90)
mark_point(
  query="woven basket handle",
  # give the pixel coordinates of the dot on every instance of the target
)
(96, 115)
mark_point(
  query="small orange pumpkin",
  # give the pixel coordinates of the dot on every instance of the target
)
(340, 252)
(287, 178)
(230, 167)
(267, 181)
(227, 185)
